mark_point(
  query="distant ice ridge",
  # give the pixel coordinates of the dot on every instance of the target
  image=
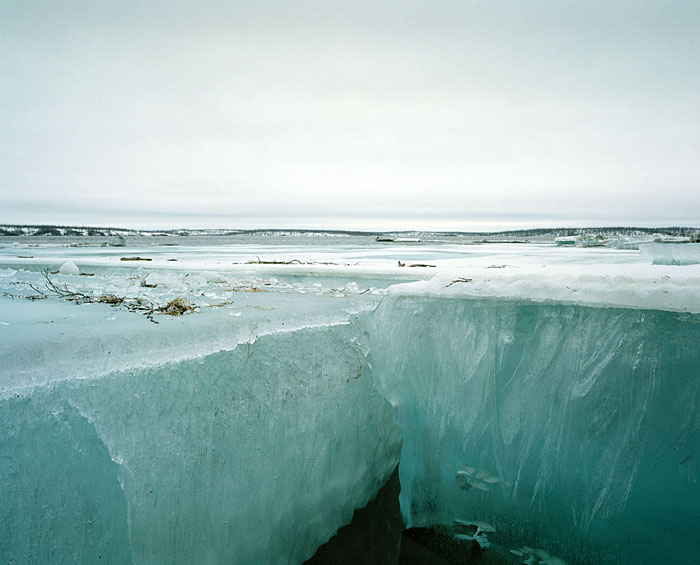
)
(565, 427)
(672, 254)
(255, 455)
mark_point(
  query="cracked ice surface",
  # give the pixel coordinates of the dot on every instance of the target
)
(246, 432)
(549, 392)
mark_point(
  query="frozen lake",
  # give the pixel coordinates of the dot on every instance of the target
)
(548, 392)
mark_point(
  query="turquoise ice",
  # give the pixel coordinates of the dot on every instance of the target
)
(550, 395)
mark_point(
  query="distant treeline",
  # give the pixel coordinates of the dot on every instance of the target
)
(606, 231)
(59, 230)
(56, 226)
(31, 229)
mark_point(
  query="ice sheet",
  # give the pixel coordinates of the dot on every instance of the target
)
(247, 431)
(569, 428)
(251, 424)
(251, 455)
(52, 339)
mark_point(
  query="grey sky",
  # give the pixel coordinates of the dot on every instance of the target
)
(462, 115)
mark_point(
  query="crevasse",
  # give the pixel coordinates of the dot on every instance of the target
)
(568, 427)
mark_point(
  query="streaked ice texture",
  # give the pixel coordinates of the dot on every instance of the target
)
(235, 457)
(566, 427)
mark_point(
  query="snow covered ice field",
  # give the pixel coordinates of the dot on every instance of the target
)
(551, 393)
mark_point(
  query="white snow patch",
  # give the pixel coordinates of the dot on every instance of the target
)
(69, 268)
(655, 287)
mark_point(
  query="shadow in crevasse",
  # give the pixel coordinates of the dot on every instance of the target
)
(376, 535)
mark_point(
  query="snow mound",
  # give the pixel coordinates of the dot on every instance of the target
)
(69, 268)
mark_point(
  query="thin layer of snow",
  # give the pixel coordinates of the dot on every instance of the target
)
(632, 286)
(591, 276)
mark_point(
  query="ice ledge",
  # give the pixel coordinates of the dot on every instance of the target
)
(657, 287)
(24, 376)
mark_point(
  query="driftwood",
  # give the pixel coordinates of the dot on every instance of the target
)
(61, 291)
(402, 264)
(290, 262)
(175, 307)
(459, 280)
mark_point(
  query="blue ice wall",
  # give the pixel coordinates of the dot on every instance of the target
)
(574, 429)
(255, 455)
(61, 497)
(577, 428)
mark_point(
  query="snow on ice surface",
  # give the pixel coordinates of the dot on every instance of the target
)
(626, 285)
(260, 404)
(364, 257)
(69, 268)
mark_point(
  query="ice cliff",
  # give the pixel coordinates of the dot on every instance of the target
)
(243, 456)
(568, 427)
(554, 404)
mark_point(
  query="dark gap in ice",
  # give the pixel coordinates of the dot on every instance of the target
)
(373, 535)
(376, 535)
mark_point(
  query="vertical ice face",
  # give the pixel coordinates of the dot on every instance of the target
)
(255, 455)
(60, 496)
(574, 425)
(671, 253)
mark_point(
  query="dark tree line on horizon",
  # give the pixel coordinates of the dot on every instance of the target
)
(62, 230)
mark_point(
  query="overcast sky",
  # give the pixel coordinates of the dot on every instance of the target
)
(437, 114)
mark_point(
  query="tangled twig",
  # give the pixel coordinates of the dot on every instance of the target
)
(175, 307)
(61, 291)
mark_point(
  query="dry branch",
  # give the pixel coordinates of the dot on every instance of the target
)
(459, 280)
(175, 307)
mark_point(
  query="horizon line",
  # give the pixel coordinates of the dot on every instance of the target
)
(350, 231)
